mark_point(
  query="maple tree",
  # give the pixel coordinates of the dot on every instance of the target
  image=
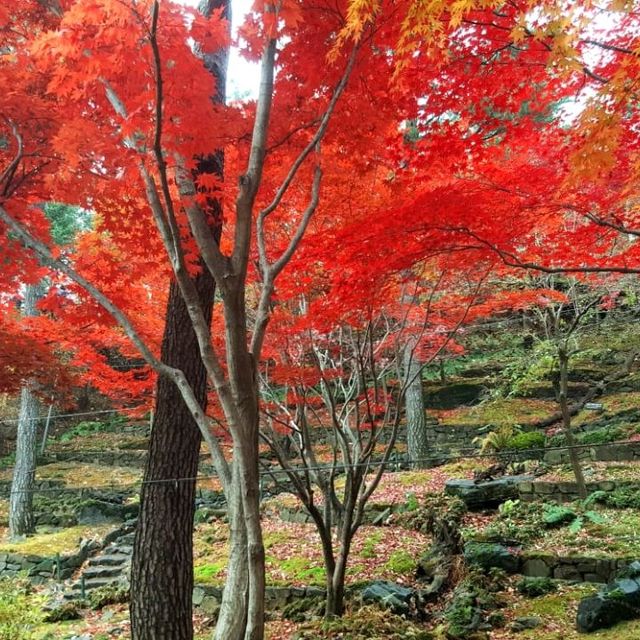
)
(341, 385)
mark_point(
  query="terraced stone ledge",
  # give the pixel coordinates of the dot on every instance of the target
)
(530, 491)
(536, 564)
(208, 598)
(573, 568)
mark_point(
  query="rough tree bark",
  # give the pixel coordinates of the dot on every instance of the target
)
(21, 520)
(417, 440)
(162, 568)
(574, 454)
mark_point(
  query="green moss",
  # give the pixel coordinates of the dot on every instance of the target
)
(369, 546)
(400, 562)
(209, 573)
(558, 611)
(48, 544)
(297, 569)
(503, 411)
(527, 440)
(274, 537)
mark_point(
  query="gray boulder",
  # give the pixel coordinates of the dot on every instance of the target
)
(489, 555)
(619, 600)
(400, 600)
(484, 495)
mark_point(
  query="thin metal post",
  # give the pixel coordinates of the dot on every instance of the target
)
(45, 435)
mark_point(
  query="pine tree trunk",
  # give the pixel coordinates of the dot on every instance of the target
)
(21, 518)
(162, 569)
(417, 440)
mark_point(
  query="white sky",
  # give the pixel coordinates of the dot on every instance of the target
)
(243, 77)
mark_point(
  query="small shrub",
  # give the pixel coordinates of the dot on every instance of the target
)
(412, 503)
(8, 461)
(461, 615)
(474, 603)
(497, 440)
(535, 587)
(602, 436)
(438, 515)
(517, 522)
(86, 428)
(527, 440)
(559, 440)
(110, 594)
(621, 498)
(20, 611)
(366, 623)
(89, 427)
(66, 611)
(557, 515)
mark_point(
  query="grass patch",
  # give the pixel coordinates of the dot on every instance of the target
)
(48, 544)
(210, 573)
(558, 612)
(401, 562)
(502, 411)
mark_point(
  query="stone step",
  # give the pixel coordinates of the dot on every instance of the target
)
(102, 572)
(109, 560)
(120, 549)
(90, 585)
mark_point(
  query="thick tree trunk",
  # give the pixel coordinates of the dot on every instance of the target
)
(162, 569)
(417, 440)
(21, 520)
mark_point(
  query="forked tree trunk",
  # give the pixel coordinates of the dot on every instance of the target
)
(21, 518)
(162, 569)
(417, 440)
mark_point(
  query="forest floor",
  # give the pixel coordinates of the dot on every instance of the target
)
(467, 398)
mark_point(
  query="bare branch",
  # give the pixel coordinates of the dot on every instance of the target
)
(250, 181)
(319, 134)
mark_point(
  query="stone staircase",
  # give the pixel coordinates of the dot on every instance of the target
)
(111, 566)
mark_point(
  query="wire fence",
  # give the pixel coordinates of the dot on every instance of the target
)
(72, 415)
(392, 465)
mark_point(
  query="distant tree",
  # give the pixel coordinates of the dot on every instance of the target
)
(66, 221)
